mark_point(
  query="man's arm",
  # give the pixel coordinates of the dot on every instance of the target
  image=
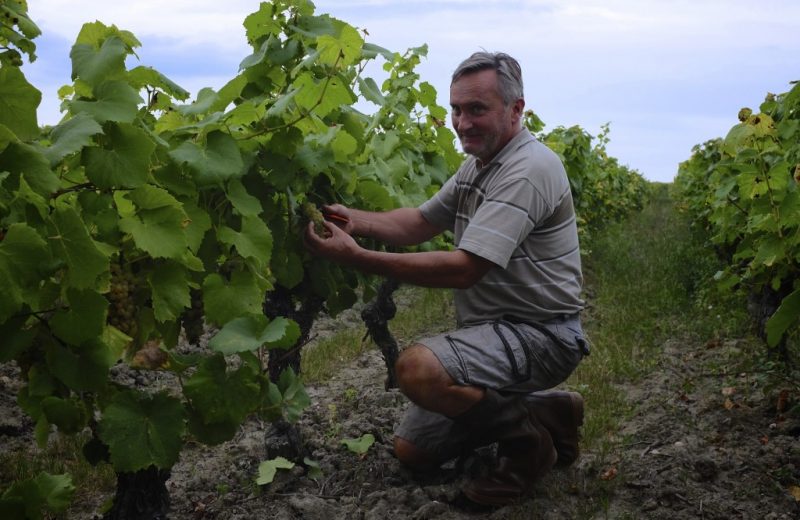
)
(446, 269)
(397, 227)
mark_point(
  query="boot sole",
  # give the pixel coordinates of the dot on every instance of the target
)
(498, 501)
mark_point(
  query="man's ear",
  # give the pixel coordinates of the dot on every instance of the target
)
(517, 108)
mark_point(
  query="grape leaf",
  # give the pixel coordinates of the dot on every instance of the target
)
(23, 160)
(169, 283)
(113, 101)
(245, 204)
(224, 301)
(268, 469)
(71, 136)
(249, 333)
(71, 241)
(787, 313)
(18, 103)
(27, 498)
(21, 253)
(96, 65)
(83, 368)
(253, 241)
(158, 225)
(361, 445)
(219, 395)
(142, 430)
(83, 320)
(217, 161)
(123, 162)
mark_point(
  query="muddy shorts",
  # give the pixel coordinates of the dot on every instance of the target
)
(505, 355)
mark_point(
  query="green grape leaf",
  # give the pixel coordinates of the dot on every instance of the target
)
(314, 469)
(25, 161)
(84, 319)
(253, 241)
(375, 195)
(142, 76)
(251, 332)
(169, 284)
(27, 498)
(22, 252)
(199, 223)
(219, 395)
(206, 98)
(94, 65)
(124, 161)
(71, 136)
(211, 433)
(344, 49)
(158, 225)
(214, 163)
(70, 415)
(71, 242)
(224, 301)
(370, 90)
(261, 23)
(18, 103)
(113, 101)
(343, 145)
(243, 202)
(268, 469)
(142, 430)
(788, 312)
(295, 399)
(360, 445)
(16, 338)
(83, 368)
(771, 250)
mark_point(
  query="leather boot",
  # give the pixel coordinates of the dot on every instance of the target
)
(561, 413)
(525, 452)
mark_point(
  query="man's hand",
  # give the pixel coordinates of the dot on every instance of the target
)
(339, 215)
(339, 247)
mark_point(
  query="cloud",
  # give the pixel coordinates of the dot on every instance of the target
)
(667, 75)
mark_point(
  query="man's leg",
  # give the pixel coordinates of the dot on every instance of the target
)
(561, 413)
(526, 449)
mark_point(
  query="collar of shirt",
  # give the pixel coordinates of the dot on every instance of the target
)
(523, 136)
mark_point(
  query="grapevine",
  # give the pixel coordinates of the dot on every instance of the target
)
(742, 192)
(143, 214)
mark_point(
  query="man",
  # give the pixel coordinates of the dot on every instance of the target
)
(517, 279)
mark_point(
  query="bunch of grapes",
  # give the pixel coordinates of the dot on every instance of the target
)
(192, 318)
(312, 213)
(122, 311)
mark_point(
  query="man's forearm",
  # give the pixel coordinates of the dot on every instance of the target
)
(442, 269)
(398, 227)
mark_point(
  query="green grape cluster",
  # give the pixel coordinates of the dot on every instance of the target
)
(122, 312)
(312, 213)
(192, 318)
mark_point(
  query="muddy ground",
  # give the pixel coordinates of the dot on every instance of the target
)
(699, 441)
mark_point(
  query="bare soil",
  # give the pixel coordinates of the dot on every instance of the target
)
(699, 441)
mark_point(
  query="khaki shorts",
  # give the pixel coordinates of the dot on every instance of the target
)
(505, 356)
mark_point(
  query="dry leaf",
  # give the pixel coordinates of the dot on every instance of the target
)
(609, 474)
(728, 390)
(728, 404)
(783, 401)
(764, 440)
(795, 492)
(150, 357)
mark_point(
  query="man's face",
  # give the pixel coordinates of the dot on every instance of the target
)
(484, 124)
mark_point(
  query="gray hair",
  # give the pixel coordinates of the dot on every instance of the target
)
(509, 73)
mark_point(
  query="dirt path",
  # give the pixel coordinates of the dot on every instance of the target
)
(701, 441)
(694, 446)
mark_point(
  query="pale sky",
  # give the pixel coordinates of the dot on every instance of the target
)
(665, 74)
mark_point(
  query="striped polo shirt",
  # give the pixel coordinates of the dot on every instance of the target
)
(517, 212)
